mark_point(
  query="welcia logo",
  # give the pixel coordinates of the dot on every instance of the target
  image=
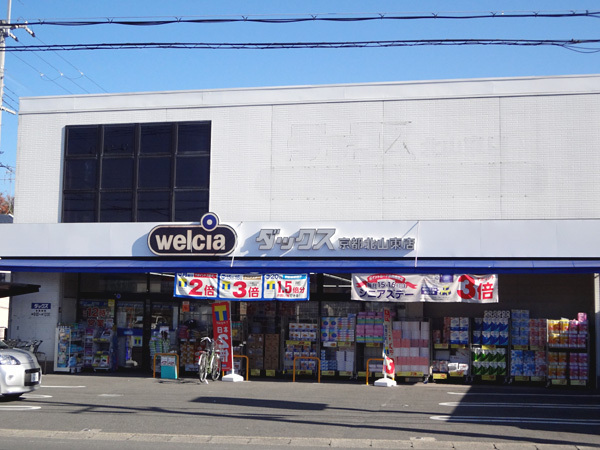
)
(207, 239)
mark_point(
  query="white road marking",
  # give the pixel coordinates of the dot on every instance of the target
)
(18, 407)
(506, 394)
(36, 396)
(63, 387)
(522, 405)
(475, 419)
(110, 395)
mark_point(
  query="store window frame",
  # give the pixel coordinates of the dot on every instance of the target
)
(87, 194)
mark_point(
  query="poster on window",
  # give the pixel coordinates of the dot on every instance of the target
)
(389, 287)
(196, 285)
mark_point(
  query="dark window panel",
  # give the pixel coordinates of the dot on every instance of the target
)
(80, 174)
(116, 207)
(154, 173)
(79, 207)
(82, 140)
(119, 139)
(190, 206)
(156, 139)
(193, 137)
(192, 172)
(117, 173)
(154, 206)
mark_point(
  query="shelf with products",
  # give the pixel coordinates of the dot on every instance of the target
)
(568, 351)
(528, 354)
(451, 349)
(489, 346)
(69, 353)
(338, 351)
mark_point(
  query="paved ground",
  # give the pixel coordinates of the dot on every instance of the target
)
(141, 412)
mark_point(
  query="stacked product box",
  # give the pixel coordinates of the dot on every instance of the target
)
(303, 332)
(271, 355)
(578, 366)
(528, 363)
(520, 329)
(492, 329)
(301, 343)
(255, 350)
(456, 330)
(189, 352)
(338, 329)
(567, 345)
(299, 349)
(369, 327)
(489, 361)
(344, 360)
(566, 333)
(411, 346)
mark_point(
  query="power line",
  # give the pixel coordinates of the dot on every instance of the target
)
(40, 73)
(323, 17)
(571, 44)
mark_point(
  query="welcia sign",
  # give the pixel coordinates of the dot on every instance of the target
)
(207, 239)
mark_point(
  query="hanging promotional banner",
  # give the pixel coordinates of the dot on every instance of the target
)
(241, 287)
(286, 287)
(196, 285)
(389, 287)
(222, 334)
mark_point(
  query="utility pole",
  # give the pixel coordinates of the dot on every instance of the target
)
(6, 30)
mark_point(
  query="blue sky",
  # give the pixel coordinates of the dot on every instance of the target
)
(29, 74)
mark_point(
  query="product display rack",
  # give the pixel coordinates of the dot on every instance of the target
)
(490, 347)
(568, 351)
(103, 349)
(452, 350)
(338, 346)
(70, 348)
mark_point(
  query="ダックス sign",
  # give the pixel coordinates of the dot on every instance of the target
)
(222, 333)
(207, 239)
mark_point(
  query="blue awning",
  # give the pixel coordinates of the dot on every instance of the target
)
(289, 265)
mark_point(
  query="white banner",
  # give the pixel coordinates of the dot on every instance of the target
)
(242, 287)
(197, 285)
(286, 287)
(389, 287)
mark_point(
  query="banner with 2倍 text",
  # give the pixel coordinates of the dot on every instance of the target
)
(389, 287)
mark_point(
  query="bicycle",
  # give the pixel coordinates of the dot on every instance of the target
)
(209, 361)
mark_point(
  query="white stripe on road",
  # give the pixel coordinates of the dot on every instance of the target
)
(505, 394)
(62, 387)
(475, 419)
(36, 396)
(18, 407)
(523, 405)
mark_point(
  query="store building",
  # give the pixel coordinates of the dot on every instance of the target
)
(489, 177)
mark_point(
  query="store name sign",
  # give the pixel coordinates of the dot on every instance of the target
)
(317, 238)
(207, 239)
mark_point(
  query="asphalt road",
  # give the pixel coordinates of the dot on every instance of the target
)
(141, 412)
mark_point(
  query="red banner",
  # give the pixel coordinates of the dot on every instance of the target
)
(222, 333)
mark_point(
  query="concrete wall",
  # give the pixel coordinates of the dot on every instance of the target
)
(24, 323)
(478, 149)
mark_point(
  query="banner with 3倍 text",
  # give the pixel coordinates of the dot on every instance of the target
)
(242, 287)
(390, 287)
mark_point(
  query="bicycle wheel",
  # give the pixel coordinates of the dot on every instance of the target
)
(202, 367)
(215, 369)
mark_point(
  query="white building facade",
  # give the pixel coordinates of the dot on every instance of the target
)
(487, 176)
